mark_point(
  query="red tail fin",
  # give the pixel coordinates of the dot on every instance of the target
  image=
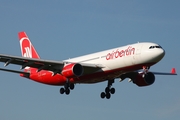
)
(27, 48)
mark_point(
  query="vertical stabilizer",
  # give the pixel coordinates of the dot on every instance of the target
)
(27, 49)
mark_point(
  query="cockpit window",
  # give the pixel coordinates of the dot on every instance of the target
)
(152, 47)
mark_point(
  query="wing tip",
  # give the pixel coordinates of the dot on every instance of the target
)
(173, 71)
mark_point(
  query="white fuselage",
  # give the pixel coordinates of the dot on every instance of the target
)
(120, 60)
(129, 55)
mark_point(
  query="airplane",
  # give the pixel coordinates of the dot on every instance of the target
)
(132, 61)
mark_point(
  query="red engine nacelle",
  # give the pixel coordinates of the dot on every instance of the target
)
(144, 80)
(72, 70)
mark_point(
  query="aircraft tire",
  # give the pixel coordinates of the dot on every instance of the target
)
(71, 86)
(67, 91)
(108, 95)
(107, 89)
(112, 90)
(62, 90)
(103, 95)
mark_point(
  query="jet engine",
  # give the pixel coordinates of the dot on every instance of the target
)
(142, 79)
(72, 70)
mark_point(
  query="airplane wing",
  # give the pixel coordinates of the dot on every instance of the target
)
(40, 64)
(173, 72)
(14, 71)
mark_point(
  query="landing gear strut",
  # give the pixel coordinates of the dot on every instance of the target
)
(108, 90)
(66, 89)
(145, 70)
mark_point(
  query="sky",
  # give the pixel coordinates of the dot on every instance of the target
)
(65, 29)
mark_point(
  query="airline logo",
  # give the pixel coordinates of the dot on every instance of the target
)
(120, 53)
(26, 47)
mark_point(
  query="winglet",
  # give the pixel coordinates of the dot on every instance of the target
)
(173, 71)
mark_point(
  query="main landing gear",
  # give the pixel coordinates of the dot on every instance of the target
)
(108, 90)
(66, 89)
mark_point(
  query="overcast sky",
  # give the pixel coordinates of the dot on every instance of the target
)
(66, 29)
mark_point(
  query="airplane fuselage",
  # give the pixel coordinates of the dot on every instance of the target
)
(132, 61)
(114, 61)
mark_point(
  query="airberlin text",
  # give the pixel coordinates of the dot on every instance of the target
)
(120, 53)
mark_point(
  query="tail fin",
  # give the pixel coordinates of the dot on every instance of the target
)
(27, 49)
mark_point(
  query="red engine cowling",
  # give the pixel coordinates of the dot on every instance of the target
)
(144, 80)
(72, 70)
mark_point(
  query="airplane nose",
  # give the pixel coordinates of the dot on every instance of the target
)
(155, 55)
(159, 54)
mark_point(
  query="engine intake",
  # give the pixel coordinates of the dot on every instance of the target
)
(72, 70)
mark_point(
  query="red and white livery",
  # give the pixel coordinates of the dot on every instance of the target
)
(130, 61)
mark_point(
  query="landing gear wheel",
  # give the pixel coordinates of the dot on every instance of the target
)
(108, 95)
(71, 86)
(67, 91)
(112, 90)
(62, 90)
(66, 86)
(107, 90)
(103, 95)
